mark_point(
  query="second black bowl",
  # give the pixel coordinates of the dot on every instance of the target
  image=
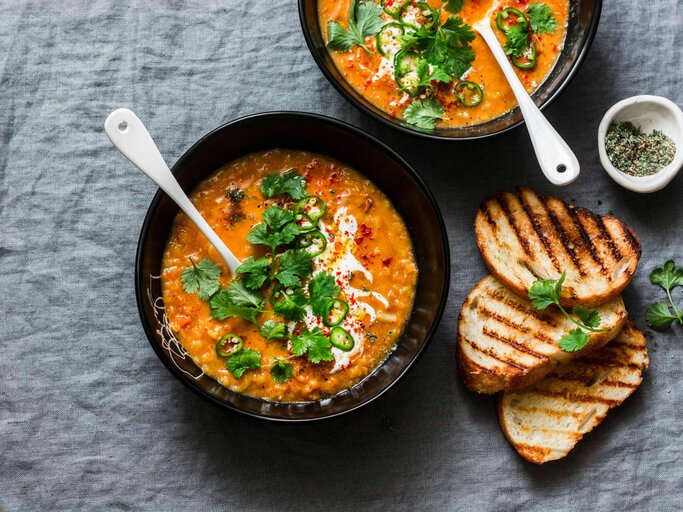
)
(309, 132)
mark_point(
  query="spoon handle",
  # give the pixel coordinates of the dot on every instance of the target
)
(131, 138)
(557, 160)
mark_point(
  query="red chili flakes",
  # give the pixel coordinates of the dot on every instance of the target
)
(387, 261)
(365, 232)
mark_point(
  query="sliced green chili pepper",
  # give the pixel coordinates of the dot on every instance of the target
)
(526, 60)
(335, 312)
(311, 206)
(389, 39)
(229, 345)
(393, 7)
(418, 15)
(504, 16)
(469, 93)
(304, 222)
(341, 339)
(405, 69)
(313, 242)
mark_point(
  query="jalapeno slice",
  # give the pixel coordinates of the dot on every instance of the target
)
(405, 68)
(504, 22)
(393, 7)
(304, 222)
(527, 60)
(341, 339)
(313, 242)
(468, 93)
(389, 39)
(311, 206)
(229, 345)
(335, 312)
(418, 15)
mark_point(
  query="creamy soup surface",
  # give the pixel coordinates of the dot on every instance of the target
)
(368, 252)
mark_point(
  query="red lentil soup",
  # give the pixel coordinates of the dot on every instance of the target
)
(386, 71)
(360, 244)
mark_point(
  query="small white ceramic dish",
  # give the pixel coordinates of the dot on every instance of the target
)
(649, 113)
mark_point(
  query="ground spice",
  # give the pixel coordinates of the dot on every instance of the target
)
(636, 153)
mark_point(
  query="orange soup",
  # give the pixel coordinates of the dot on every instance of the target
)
(325, 287)
(421, 61)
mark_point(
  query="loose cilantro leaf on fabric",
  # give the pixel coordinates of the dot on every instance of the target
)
(321, 289)
(272, 330)
(247, 359)
(364, 20)
(281, 371)
(453, 6)
(574, 340)
(288, 182)
(424, 113)
(254, 272)
(293, 266)
(590, 317)
(236, 301)
(314, 344)
(290, 304)
(517, 42)
(201, 277)
(541, 18)
(661, 315)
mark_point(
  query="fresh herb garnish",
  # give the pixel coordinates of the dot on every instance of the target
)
(424, 113)
(281, 371)
(321, 289)
(254, 272)
(276, 230)
(288, 182)
(314, 344)
(364, 20)
(293, 266)
(517, 42)
(541, 18)
(453, 6)
(236, 301)
(272, 330)
(546, 292)
(289, 303)
(201, 277)
(661, 315)
(247, 359)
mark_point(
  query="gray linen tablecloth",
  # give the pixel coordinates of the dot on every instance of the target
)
(90, 419)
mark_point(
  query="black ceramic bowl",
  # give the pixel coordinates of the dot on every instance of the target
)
(583, 23)
(323, 135)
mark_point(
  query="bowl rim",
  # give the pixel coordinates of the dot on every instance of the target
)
(660, 179)
(585, 48)
(140, 292)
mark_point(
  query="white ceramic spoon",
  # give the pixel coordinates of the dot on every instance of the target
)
(129, 135)
(556, 159)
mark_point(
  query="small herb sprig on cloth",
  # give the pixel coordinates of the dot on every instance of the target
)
(546, 292)
(661, 315)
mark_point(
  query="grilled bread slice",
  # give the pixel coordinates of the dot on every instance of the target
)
(546, 421)
(523, 237)
(504, 343)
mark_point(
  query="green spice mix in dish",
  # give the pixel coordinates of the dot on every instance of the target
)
(636, 153)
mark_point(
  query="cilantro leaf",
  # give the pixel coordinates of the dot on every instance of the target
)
(541, 19)
(314, 344)
(321, 289)
(364, 20)
(546, 292)
(290, 303)
(281, 371)
(668, 277)
(574, 340)
(517, 41)
(293, 266)
(239, 295)
(261, 234)
(659, 316)
(590, 317)
(424, 113)
(276, 217)
(272, 330)
(247, 359)
(453, 6)
(201, 277)
(288, 182)
(256, 272)
(236, 301)
(425, 77)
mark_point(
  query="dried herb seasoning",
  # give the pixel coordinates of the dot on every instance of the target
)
(637, 153)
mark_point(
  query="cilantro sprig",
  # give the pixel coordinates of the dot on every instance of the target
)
(546, 292)
(541, 18)
(424, 113)
(661, 315)
(289, 182)
(364, 20)
(201, 277)
(453, 6)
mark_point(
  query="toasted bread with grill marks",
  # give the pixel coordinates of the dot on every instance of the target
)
(545, 421)
(504, 343)
(523, 237)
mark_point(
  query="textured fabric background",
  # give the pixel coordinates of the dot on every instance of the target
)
(90, 419)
